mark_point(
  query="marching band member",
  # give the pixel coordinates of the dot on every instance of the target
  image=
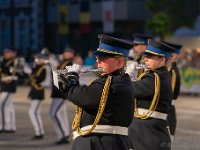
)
(36, 94)
(153, 94)
(140, 43)
(8, 88)
(104, 106)
(176, 83)
(58, 109)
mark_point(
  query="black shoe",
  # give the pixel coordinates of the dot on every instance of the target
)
(64, 140)
(37, 137)
(9, 131)
(1, 131)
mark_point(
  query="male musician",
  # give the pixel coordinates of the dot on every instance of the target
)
(153, 94)
(58, 111)
(176, 83)
(105, 106)
(140, 43)
(36, 95)
(8, 88)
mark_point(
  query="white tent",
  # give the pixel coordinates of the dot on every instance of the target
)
(188, 37)
(190, 42)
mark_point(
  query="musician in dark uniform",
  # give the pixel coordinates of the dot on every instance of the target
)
(36, 95)
(58, 110)
(8, 88)
(176, 83)
(140, 43)
(153, 94)
(104, 106)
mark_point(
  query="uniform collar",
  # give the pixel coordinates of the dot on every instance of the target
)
(115, 73)
(158, 69)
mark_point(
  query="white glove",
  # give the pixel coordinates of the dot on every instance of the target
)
(131, 70)
(27, 70)
(131, 67)
(12, 69)
(74, 68)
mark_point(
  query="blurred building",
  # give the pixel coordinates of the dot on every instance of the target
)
(29, 25)
(21, 24)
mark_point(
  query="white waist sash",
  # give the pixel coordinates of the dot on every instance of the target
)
(155, 114)
(106, 129)
(173, 102)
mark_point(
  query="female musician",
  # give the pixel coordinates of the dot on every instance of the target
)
(153, 100)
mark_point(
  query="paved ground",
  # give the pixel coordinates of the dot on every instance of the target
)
(187, 137)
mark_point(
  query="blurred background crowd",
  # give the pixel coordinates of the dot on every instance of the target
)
(28, 26)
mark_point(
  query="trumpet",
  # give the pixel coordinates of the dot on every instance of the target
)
(140, 66)
(92, 70)
(64, 71)
(74, 68)
(132, 66)
(132, 69)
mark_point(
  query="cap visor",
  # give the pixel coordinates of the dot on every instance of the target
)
(149, 54)
(98, 53)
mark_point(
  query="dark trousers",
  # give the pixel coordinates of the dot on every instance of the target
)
(102, 142)
(150, 134)
(171, 118)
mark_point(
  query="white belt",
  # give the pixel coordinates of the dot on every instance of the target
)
(106, 129)
(173, 102)
(155, 114)
(9, 78)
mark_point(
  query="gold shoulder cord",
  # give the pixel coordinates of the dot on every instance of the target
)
(13, 73)
(9, 62)
(35, 85)
(173, 82)
(140, 72)
(154, 102)
(102, 104)
(64, 64)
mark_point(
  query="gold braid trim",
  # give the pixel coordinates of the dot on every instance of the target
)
(12, 74)
(35, 85)
(107, 51)
(40, 71)
(64, 64)
(154, 53)
(154, 102)
(102, 104)
(9, 62)
(169, 68)
(173, 82)
(137, 57)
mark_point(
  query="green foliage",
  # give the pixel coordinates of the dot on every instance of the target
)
(156, 5)
(167, 15)
(160, 23)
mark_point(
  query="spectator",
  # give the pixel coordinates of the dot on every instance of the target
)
(195, 62)
(90, 60)
(78, 59)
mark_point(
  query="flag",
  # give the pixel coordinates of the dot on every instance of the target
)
(63, 19)
(108, 16)
(85, 16)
